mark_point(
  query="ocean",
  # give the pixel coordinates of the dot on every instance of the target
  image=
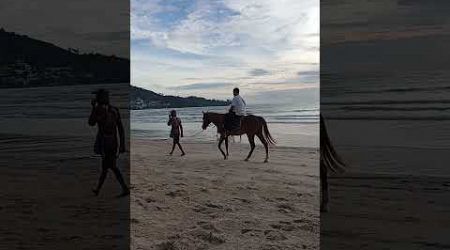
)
(291, 126)
(391, 125)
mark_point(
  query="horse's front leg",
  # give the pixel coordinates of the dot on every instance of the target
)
(226, 144)
(222, 138)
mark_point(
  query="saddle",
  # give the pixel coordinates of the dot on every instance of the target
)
(234, 124)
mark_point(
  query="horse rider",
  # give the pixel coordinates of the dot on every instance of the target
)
(236, 112)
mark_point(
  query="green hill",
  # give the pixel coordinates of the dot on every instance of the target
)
(145, 99)
(27, 62)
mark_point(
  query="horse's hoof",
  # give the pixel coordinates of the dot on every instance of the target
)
(266, 161)
(246, 159)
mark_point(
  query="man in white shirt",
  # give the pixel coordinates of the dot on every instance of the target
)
(237, 110)
(237, 104)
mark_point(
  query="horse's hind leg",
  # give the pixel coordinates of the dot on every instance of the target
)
(251, 139)
(222, 138)
(266, 146)
(324, 189)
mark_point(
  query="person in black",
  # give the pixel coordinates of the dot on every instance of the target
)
(176, 131)
(108, 119)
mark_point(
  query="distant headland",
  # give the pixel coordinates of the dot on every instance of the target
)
(27, 62)
(145, 99)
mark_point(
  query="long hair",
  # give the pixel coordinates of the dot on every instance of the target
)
(329, 159)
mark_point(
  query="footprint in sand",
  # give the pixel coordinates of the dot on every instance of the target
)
(202, 209)
(150, 200)
(243, 200)
(285, 208)
(284, 226)
(252, 188)
(213, 205)
(208, 226)
(176, 193)
(167, 245)
(211, 237)
(274, 235)
(251, 232)
(208, 208)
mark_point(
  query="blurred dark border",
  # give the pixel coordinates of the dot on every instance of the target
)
(53, 54)
(384, 96)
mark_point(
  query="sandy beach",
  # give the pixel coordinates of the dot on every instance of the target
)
(201, 201)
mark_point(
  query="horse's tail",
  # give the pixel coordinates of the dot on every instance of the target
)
(329, 159)
(267, 134)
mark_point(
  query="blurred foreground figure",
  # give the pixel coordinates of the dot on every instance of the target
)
(109, 124)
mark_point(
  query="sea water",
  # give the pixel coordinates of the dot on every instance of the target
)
(291, 126)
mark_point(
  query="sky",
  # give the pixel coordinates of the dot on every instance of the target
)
(267, 48)
(101, 26)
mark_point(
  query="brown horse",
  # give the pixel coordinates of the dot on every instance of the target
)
(329, 161)
(250, 125)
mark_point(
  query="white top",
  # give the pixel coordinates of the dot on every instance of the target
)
(238, 105)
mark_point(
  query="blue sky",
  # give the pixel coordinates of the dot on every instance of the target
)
(207, 47)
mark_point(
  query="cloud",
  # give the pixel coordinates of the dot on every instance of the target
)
(242, 43)
(309, 76)
(196, 86)
(258, 72)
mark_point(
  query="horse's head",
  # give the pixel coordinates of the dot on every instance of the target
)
(206, 120)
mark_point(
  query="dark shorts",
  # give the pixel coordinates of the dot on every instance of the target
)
(105, 145)
(176, 139)
(175, 136)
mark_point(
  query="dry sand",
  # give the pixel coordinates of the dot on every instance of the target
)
(201, 201)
